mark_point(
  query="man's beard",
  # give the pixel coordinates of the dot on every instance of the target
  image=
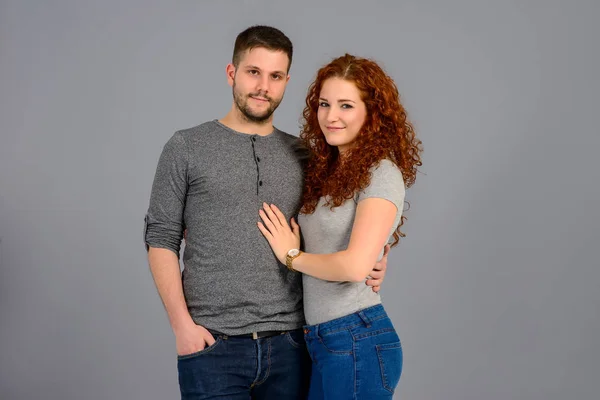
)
(241, 102)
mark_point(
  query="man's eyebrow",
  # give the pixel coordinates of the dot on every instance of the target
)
(255, 67)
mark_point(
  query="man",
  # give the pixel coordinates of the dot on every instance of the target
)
(236, 312)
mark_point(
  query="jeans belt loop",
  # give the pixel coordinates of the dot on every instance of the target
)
(365, 319)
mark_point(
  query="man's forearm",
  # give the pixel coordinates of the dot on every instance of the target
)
(164, 266)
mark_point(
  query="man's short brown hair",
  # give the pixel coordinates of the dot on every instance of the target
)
(262, 36)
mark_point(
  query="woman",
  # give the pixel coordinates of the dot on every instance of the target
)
(362, 155)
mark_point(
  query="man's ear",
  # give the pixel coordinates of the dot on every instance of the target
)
(230, 71)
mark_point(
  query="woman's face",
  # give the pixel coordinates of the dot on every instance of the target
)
(341, 112)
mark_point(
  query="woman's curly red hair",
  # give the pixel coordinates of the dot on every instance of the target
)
(386, 133)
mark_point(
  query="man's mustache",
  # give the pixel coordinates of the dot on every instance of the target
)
(260, 94)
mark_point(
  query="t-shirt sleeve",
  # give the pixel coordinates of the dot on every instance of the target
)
(163, 224)
(386, 183)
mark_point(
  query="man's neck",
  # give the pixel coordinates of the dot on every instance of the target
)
(236, 121)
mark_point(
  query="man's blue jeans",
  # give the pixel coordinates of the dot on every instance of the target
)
(276, 367)
(354, 357)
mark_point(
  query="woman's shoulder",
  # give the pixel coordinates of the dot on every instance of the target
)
(386, 170)
(386, 182)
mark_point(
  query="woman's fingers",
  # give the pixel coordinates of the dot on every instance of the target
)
(295, 227)
(265, 231)
(271, 214)
(267, 221)
(279, 215)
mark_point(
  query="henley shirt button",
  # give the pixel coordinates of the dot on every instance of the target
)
(260, 183)
(253, 139)
(258, 159)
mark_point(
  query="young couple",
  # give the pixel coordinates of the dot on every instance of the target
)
(284, 237)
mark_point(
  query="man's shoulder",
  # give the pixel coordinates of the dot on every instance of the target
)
(295, 144)
(199, 130)
(288, 137)
(290, 141)
(202, 135)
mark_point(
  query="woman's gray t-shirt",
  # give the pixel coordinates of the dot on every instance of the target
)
(328, 231)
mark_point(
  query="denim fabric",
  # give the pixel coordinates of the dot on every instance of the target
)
(233, 368)
(354, 357)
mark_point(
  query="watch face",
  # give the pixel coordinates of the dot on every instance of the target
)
(293, 252)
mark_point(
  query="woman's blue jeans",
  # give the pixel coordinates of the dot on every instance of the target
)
(354, 357)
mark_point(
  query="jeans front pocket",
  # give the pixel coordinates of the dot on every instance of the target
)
(390, 363)
(339, 342)
(205, 350)
(295, 338)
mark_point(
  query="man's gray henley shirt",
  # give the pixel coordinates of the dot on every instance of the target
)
(212, 181)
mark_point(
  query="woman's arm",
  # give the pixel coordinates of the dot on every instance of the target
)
(376, 212)
(372, 225)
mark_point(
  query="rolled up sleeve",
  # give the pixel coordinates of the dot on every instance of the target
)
(163, 223)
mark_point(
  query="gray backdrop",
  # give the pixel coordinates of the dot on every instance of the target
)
(494, 290)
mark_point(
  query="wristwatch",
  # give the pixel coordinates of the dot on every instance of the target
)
(291, 255)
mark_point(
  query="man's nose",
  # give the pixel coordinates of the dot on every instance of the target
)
(263, 84)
